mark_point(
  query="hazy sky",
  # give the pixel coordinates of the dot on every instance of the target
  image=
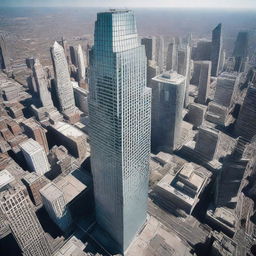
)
(227, 4)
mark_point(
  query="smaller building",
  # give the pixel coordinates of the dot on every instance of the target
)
(34, 183)
(56, 205)
(72, 138)
(72, 247)
(184, 188)
(35, 156)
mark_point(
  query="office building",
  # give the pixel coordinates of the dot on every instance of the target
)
(72, 138)
(167, 125)
(18, 210)
(35, 131)
(34, 183)
(4, 57)
(216, 50)
(171, 58)
(204, 81)
(119, 127)
(246, 121)
(42, 85)
(81, 63)
(64, 87)
(35, 156)
(55, 204)
(241, 50)
(150, 47)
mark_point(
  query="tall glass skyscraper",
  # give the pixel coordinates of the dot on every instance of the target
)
(120, 120)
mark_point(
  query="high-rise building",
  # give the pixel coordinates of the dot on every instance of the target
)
(241, 50)
(4, 57)
(171, 58)
(246, 121)
(204, 81)
(150, 47)
(63, 83)
(216, 49)
(42, 85)
(81, 63)
(119, 127)
(35, 156)
(167, 125)
(18, 210)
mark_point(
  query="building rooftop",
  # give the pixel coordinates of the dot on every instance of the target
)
(70, 186)
(51, 192)
(170, 77)
(5, 178)
(31, 177)
(73, 247)
(68, 130)
(31, 146)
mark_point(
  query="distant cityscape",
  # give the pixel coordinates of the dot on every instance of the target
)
(127, 144)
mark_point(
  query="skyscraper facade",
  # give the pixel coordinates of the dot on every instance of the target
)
(17, 208)
(4, 58)
(168, 116)
(216, 49)
(119, 113)
(63, 83)
(42, 85)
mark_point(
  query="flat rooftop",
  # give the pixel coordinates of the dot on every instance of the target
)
(171, 77)
(51, 192)
(5, 178)
(70, 186)
(31, 146)
(68, 130)
(31, 177)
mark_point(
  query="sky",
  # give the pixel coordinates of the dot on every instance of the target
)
(222, 4)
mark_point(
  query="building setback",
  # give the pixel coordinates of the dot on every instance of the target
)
(35, 156)
(167, 124)
(216, 49)
(119, 127)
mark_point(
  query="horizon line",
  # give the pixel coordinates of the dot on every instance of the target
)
(135, 7)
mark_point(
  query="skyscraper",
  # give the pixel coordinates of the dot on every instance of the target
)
(42, 85)
(241, 50)
(216, 50)
(150, 47)
(119, 113)
(19, 212)
(63, 83)
(171, 59)
(81, 63)
(168, 117)
(4, 58)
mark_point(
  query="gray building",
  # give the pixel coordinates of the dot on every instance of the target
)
(150, 47)
(42, 85)
(4, 57)
(63, 83)
(216, 49)
(241, 50)
(119, 127)
(171, 58)
(167, 124)
(246, 121)
(18, 210)
(204, 81)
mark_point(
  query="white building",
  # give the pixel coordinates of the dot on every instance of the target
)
(35, 156)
